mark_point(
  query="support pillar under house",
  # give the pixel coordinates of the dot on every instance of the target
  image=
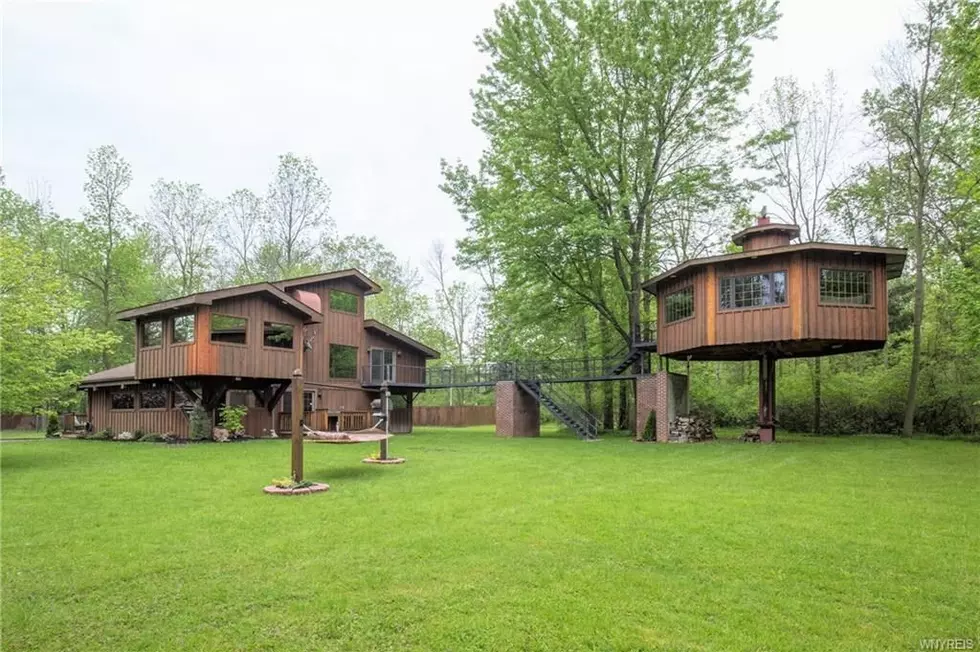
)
(767, 398)
(517, 412)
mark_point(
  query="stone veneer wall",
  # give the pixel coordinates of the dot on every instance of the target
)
(517, 412)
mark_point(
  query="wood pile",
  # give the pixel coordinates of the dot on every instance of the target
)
(688, 429)
(751, 435)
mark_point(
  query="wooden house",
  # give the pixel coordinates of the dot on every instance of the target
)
(775, 299)
(240, 345)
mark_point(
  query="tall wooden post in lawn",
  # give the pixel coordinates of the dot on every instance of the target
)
(297, 425)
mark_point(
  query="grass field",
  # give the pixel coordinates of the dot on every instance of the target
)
(21, 434)
(477, 543)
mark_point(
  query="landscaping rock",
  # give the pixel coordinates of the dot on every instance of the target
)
(220, 434)
(125, 436)
(688, 429)
(751, 435)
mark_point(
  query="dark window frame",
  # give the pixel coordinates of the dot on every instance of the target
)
(763, 306)
(837, 303)
(143, 392)
(122, 392)
(668, 319)
(330, 367)
(265, 345)
(143, 325)
(173, 328)
(357, 303)
(287, 401)
(211, 330)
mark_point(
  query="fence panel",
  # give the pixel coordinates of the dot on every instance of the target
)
(455, 415)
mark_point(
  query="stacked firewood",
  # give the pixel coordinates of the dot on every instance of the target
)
(751, 435)
(687, 429)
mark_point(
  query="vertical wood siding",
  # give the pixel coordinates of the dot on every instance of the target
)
(686, 333)
(337, 328)
(762, 324)
(161, 421)
(834, 322)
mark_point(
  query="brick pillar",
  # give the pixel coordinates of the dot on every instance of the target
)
(517, 412)
(651, 395)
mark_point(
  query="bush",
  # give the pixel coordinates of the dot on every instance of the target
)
(138, 434)
(233, 418)
(101, 435)
(54, 430)
(200, 423)
(650, 429)
(152, 437)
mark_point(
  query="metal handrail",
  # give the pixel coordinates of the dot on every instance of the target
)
(571, 405)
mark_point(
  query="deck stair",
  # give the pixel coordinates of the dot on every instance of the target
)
(564, 408)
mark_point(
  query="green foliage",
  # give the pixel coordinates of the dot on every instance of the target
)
(200, 423)
(101, 435)
(53, 430)
(233, 418)
(289, 483)
(152, 437)
(650, 428)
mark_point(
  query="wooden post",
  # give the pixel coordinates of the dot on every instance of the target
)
(384, 449)
(296, 426)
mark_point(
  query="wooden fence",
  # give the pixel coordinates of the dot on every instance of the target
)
(456, 415)
(327, 421)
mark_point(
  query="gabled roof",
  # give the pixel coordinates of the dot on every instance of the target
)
(374, 324)
(894, 258)
(121, 375)
(370, 287)
(207, 298)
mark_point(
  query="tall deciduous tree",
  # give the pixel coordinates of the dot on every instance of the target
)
(241, 232)
(916, 113)
(109, 254)
(297, 212)
(184, 221)
(598, 116)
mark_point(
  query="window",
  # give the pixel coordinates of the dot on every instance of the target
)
(123, 400)
(845, 286)
(309, 401)
(151, 333)
(279, 336)
(679, 305)
(183, 329)
(228, 329)
(153, 399)
(238, 397)
(752, 291)
(343, 361)
(343, 301)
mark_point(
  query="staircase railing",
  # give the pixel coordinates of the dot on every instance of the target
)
(576, 411)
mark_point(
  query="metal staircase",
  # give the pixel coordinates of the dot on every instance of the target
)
(564, 408)
(631, 356)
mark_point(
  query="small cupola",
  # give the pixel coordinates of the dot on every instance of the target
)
(766, 235)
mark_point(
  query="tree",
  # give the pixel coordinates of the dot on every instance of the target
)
(38, 347)
(108, 256)
(297, 213)
(457, 301)
(600, 115)
(241, 232)
(916, 114)
(184, 221)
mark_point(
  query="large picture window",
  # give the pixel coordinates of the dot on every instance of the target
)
(278, 336)
(123, 400)
(343, 301)
(679, 305)
(343, 361)
(151, 333)
(752, 291)
(228, 329)
(850, 287)
(153, 399)
(183, 329)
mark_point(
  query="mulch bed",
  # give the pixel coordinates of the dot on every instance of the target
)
(390, 460)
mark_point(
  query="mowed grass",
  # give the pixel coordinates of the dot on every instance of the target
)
(479, 543)
(21, 434)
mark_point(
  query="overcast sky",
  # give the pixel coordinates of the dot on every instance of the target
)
(376, 93)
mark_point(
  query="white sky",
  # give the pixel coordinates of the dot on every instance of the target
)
(376, 93)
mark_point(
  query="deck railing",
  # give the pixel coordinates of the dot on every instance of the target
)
(320, 420)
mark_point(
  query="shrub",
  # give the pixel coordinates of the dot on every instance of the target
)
(650, 429)
(233, 418)
(101, 435)
(152, 437)
(54, 430)
(138, 434)
(200, 423)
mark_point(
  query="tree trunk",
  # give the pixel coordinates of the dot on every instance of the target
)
(607, 396)
(909, 426)
(816, 395)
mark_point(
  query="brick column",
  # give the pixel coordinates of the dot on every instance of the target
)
(517, 412)
(651, 396)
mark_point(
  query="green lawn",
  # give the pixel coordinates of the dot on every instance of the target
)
(21, 434)
(862, 543)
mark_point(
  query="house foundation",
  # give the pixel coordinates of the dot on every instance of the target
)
(517, 412)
